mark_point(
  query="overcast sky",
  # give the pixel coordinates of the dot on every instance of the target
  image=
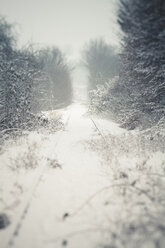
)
(65, 23)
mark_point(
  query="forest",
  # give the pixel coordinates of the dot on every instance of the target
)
(85, 173)
(127, 85)
(31, 81)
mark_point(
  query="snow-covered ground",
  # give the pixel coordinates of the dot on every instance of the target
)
(36, 195)
(74, 187)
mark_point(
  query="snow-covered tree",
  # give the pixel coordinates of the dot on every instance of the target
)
(7, 39)
(101, 61)
(18, 69)
(137, 97)
(55, 88)
(143, 55)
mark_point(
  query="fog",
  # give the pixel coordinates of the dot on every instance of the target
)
(82, 124)
(67, 24)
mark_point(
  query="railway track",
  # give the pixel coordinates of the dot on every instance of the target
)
(27, 202)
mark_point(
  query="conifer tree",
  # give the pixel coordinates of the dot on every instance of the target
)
(143, 55)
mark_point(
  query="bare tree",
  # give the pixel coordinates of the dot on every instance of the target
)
(101, 61)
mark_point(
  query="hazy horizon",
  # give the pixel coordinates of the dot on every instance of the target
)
(66, 24)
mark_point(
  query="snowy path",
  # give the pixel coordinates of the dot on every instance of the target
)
(89, 185)
(56, 215)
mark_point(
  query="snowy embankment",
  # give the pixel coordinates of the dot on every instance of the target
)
(86, 185)
(135, 197)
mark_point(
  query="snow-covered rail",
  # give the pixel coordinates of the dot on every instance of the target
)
(14, 231)
(58, 193)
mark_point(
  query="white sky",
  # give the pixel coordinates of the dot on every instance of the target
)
(68, 24)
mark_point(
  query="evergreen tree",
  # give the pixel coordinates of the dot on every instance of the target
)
(143, 55)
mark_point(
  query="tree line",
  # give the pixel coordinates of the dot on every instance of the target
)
(136, 97)
(31, 80)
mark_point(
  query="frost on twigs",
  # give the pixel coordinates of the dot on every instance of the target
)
(26, 159)
(52, 125)
(135, 199)
(111, 101)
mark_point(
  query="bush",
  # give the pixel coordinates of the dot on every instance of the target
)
(30, 81)
(111, 101)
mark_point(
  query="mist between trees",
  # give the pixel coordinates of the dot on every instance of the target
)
(136, 97)
(102, 62)
(126, 86)
(31, 81)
